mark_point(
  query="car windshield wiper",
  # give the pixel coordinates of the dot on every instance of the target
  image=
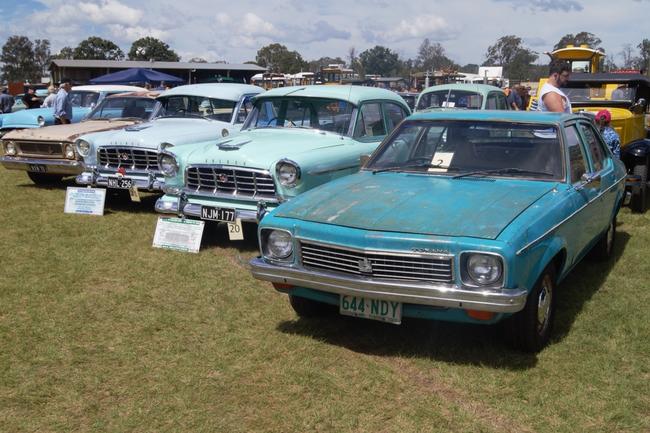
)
(184, 115)
(405, 167)
(507, 170)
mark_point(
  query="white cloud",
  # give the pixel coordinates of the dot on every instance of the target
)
(110, 12)
(131, 33)
(418, 28)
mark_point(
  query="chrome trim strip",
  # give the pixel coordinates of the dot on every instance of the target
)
(64, 166)
(332, 170)
(552, 229)
(192, 192)
(436, 295)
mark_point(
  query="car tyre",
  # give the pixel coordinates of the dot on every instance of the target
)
(307, 308)
(44, 179)
(603, 250)
(639, 199)
(529, 330)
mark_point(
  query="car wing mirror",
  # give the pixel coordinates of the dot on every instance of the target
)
(589, 179)
(639, 106)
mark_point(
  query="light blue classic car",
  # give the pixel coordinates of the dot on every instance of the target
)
(462, 96)
(83, 99)
(188, 114)
(294, 139)
(468, 216)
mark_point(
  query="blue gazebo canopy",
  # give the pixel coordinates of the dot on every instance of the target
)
(136, 75)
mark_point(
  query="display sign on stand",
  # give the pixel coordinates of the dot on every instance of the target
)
(178, 234)
(85, 201)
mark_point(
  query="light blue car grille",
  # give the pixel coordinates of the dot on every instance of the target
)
(128, 158)
(381, 265)
(230, 180)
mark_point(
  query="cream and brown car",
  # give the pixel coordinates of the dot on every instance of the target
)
(48, 154)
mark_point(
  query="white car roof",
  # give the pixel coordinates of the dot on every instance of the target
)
(109, 88)
(227, 91)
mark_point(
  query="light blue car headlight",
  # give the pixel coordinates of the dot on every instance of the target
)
(168, 165)
(40, 120)
(83, 147)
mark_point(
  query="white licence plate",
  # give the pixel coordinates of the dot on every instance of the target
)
(375, 309)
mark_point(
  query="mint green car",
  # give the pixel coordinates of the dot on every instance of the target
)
(295, 138)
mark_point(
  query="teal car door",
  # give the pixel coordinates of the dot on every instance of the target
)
(602, 166)
(582, 226)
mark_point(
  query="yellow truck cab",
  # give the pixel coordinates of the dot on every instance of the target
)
(625, 95)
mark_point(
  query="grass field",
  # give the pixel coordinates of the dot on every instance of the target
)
(100, 332)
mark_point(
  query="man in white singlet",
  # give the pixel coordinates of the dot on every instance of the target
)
(551, 98)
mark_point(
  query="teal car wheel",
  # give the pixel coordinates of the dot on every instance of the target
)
(529, 330)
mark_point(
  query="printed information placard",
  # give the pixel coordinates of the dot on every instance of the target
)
(178, 234)
(86, 201)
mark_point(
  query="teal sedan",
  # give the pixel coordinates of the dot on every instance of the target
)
(294, 139)
(466, 216)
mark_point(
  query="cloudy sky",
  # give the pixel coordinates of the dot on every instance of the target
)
(234, 30)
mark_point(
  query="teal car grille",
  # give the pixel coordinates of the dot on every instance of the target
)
(126, 157)
(230, 180)
(383, 265)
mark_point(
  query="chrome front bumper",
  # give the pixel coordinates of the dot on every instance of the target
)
(143, 181)
(409, 292)
(181, 207)
(53, 166)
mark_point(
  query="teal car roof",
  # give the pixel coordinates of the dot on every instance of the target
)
(483, 89)
(353, 94)
(498, 115)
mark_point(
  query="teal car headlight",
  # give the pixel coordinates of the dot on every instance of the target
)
(482, 269)
(276, 244)
(83, 147)
(168, 165)
(40, 120)
(287, 172)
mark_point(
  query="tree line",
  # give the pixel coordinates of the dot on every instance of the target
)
(27, 60)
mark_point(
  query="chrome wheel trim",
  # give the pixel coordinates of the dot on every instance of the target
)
(544, 300)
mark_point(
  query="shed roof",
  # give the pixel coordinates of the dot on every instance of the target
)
(67, 63)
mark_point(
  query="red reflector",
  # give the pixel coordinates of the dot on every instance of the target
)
(480, 315)
(282, 286)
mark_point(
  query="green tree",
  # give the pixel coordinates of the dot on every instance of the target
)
(509, 52)
(432, 57)
(582, 38)
(18, 58)
(65, 53)
(149, 48)
(42, 54)
(96, 48)
(315, 65)
(380, 60)
(278, 58)
(470, 68)
(643, 61)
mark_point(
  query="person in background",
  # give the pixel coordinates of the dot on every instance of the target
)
(551, 98)
(603, 119)
(147, 85)
(514, 98)
(524, 93)
(6, 101)
(30, 99)
(49, 99)
(62, 104)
